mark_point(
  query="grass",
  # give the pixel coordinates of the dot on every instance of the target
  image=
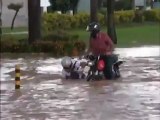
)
(7, 30)
(130, 35)
(139, 35)
(18, 29)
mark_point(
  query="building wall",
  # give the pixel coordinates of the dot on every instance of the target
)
(7, 15)
(156, 5)
(140, 2)
(84, 6)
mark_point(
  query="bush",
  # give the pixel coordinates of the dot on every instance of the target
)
(103, 11)
(60, 35)
(152, 15)
(116, 19)
(101, 19)
(57, 48)
(42, 46)
(124, 16)
(54, 21)
(82, 19)
(139, 16)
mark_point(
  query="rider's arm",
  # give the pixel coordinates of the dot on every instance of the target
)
(65, 74)
(88, 50)
(110, 44)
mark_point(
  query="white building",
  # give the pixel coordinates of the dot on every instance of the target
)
(7, 14)
(22, 16)
(84, 6)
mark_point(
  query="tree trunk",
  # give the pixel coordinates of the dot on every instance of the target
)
(34, 20)
(133, 4)
(1, 19)
(74, 10)
(110, 21)
(93, 10)
(100, 4)
(12, 25)
(152, 2)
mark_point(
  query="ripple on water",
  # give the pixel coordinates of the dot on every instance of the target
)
(55, 99)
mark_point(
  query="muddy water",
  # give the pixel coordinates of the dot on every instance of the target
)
(45, 96)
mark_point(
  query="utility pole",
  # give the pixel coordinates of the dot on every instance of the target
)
(93, 10)
(1, 19)
(110, 21)
(34, 20)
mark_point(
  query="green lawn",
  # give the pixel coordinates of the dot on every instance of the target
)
(139, 35)
(127, 35)
(18, 29)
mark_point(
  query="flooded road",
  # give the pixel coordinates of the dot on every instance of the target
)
(45, 96)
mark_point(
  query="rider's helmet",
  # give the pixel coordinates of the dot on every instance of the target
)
(93, 26)
(66, 62)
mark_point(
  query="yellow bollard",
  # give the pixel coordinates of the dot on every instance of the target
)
(17, 77)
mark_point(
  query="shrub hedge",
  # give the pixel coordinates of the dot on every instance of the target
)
(58, 48)
(52, 21)
(57, 44)
(152, 15)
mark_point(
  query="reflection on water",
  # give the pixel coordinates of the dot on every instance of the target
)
(139, 51)
(83, 101)
(44, 96)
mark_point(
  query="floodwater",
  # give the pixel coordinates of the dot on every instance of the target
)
(45, 96)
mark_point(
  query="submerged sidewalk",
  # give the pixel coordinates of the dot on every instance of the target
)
(15, 33)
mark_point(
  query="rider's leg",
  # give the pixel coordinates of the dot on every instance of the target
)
(109, 61)
(74, 75)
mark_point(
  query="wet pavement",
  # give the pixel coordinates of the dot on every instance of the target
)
(45, 96)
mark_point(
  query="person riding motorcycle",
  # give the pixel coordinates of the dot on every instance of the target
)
(101, 43)
(72, 69)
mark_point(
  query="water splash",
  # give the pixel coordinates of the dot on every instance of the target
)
(146, 51)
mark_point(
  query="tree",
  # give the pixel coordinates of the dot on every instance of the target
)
(74, 4)
(110, 20)
(100, 3)
(1, 19)
(93, 10)
(16, 7)
(61, 5)
(64, 5)
(123, 4)
(34, 20)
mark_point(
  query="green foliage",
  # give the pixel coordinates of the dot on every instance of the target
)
(101, 18)
(123, 5)
(12, 44)
(60, 35)
(103, 11)
(64, 5)
(57, 48)
(15, 6)
(54, 21)
(117, 19)
(82, 19)
(139, 16)
(126, 16)
(152, 15)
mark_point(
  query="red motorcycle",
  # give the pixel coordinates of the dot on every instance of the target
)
(97, 66)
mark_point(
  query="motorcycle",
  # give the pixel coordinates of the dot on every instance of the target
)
(96, 68)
